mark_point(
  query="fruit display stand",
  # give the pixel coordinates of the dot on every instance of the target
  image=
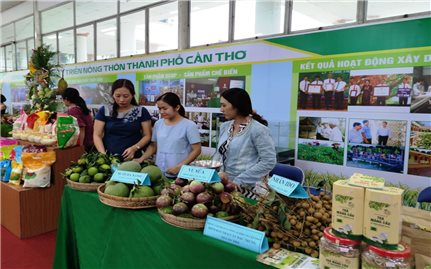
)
(93, 235)
(29, 212)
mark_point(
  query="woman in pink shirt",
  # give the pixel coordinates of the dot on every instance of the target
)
(77, 107)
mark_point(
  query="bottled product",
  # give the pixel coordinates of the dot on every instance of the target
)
(337, 252)
(379, 258)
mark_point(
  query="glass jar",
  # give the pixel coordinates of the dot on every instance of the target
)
(379, 258)
(338, 252)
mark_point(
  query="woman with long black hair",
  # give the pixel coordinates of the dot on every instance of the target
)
(77, 107)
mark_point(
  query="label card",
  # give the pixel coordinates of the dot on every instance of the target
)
(286, 259)
(287, 187)
(367, 181)
(199, 174)
(131, 177)
(236, 234)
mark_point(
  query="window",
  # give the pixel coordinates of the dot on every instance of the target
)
(164, 27)
(51, 41)
(258, 18)
(21, 55)
(209, 17)
(2, 60)
(57, 18)
(383, 8)
(132, 34)
(126, 5)
(66, 44)
(24, 28)
(30, 47)
(308, 14)
(10, 58)
(7, 33)
(107, 39)
(85, 44)
(87, 11)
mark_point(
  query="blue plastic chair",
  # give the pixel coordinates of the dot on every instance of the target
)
(288, 171)
(425, 195)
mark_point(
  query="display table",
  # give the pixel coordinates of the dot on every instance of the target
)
(27, 212)
(93, 235)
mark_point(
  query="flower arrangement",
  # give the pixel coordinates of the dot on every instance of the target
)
(40, 80)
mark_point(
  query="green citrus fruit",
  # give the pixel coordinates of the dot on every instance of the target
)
(74, 177)
(100, 161)
(92, 171)
(77, 169)
(99, 177)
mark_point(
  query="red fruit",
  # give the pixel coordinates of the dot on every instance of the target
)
(204, 197)
(188, 198)
(186, 188)
(163, 201)
(167, 191)
(196, 187)
(225, 197)
(224, 181)
(230, 187)
(181, 182)
(199, 211)
(179, 208)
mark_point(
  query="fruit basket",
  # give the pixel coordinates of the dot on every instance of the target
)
(189, 223)
(126, 202)
(91, 187)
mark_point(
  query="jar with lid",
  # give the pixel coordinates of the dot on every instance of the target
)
(378, 258)
(337, 252)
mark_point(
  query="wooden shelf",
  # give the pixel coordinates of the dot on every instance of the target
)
(29, 212)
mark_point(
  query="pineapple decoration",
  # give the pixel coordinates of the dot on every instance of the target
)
(40, 80)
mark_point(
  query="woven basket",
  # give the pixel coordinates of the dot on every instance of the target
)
(126, 202)
(188, 223)
(83, 186)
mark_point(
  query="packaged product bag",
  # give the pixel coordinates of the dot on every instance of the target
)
(67, 131)
(5, 169)
(37, 172)
(19, 124)
(6, 146)
(16, 172)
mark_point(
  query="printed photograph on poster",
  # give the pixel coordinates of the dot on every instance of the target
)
(323, 90)
(331, 129)
(380, 87)
(202, 120)
(95, 93)
(376, 157)
(420, 149)
(150, 90)
(205, 92)
(321, 151)
(19, 94)
(217, 120)
(421, 94)
(377, 132)
(154, 113)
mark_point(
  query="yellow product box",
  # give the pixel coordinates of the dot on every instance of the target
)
(382, 217)
(347, 210)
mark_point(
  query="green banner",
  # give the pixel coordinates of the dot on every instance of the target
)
(201, 72)
(410, 58)
(91, 79)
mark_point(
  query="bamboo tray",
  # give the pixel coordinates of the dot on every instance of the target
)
(126, 202)
(188, 223)
(91, 187)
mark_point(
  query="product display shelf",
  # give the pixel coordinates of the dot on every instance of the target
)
(28, 212)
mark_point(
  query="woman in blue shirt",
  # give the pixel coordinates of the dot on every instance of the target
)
(245, 144)
(124, 127)
(176, 140)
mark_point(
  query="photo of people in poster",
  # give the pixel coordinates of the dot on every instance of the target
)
(420, 149)
(317, 128)
(19, 94)
(202, 120)
(421, 94)
(94, 93)
(151, 89)
(376, 144)
(380, 87)
(323, 90)
(205, 92)
(321, 151)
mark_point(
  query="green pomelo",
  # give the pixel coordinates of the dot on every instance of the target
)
(99, 177)
(74, 177)
(92, 171)
(141, 191)
(153, 172)
(117, 189)
(130, 166)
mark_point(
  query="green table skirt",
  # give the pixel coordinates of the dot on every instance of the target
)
(93, 235)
